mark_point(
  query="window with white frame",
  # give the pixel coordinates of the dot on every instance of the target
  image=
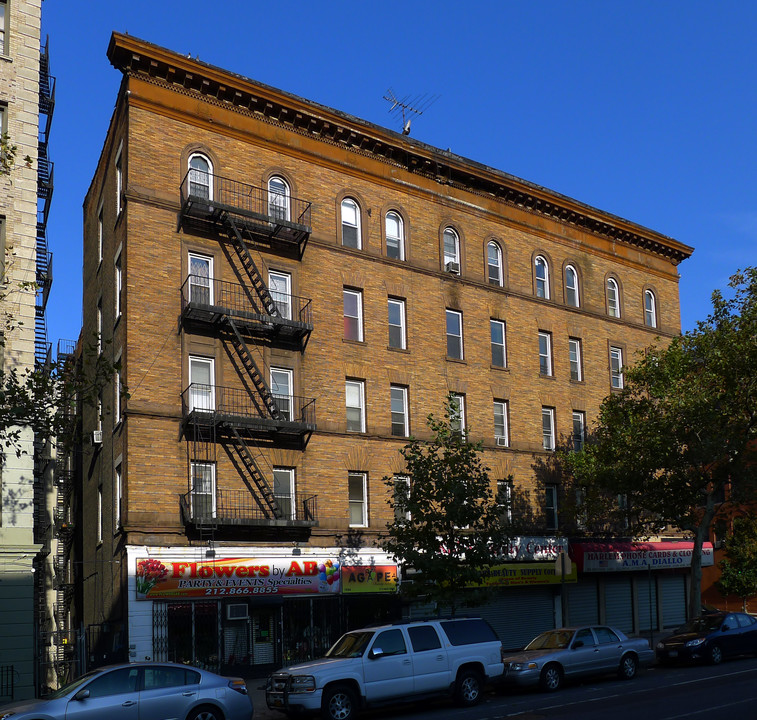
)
(395, 236)
(457, 414)
(399, 411)
(280, 288)
(118, 493)
(616, 368)
(504, 499)
(119, 179)
(579, 429)
(99, 514)
(550, 506)
(100, 231)
(650, 309)
(397, 320)
(351, 224)
(203, 495)
(358, 498)
(200, 177)
(278, 198)
(499, 351)
(201, 384)
(451, 243)
(494, 263)
(283, 491)
(354, 391)
(501, 430)
(541, 277)
(575, 359)
(548, 428)
(200, 279)
(117, 389)
(613, 298)
(353, 315)
(401, 497)
(454, 334)
(99, 409)
(118, 289)
(99, 320)
(572, 297)
(282, 389)
(3, 27)
(545, 353)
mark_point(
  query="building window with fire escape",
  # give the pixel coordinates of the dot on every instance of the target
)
(201, 374)
(278, 198)
(281, 388)
(200, 279)
(203, 490)
(200, 177)
(280, 287)
(283, 491)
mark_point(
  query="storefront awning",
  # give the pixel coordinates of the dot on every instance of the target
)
(614, 556)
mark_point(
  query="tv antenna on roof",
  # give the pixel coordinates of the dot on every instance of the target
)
(408, 106)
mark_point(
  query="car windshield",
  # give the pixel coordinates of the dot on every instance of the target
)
(704, 624)
(69, 687)
(350, 645)
(551, 640)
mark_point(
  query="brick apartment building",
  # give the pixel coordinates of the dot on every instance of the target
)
(290, 292)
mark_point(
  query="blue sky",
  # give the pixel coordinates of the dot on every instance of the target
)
(644, 109)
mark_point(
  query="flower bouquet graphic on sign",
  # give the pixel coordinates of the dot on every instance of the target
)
(149, 574)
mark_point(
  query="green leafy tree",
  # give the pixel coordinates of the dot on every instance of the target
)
(448, 527)
(677, 445)
(8, 152)
(739, 568)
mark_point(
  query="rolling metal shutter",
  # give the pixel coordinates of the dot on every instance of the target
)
(646, 586)
(673, 600)
(619, 603)
(583, 603)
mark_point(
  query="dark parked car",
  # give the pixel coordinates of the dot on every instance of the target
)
(710, 637)
(141, 691)
(575, 652)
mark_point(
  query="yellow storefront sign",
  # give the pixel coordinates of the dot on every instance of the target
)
(369, 579)
(540, 573)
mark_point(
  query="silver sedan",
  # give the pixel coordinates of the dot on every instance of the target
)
(565, 653)
(140, 691)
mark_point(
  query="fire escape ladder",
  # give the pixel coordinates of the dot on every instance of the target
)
(243, 351)
(267, 498)
(251, 268)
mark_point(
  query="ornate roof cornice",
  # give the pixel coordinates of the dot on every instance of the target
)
(139, 58)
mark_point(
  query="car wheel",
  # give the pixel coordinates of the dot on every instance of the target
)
(339, 703)
(715, 655)
(206, 713)
(628, 667)
(551, 678)
(468, 688)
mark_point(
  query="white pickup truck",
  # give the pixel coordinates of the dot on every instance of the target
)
(401, 662)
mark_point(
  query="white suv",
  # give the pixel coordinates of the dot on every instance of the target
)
(392, 663)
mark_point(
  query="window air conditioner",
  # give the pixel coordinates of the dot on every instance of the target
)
(452, 267)
(237, 611)
(502, 441)
(97, 437)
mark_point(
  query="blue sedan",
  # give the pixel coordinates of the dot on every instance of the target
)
(140, 691)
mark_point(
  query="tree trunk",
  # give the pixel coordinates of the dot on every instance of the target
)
(701, 534)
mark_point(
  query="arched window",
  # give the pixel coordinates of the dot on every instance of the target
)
(613, 298)
(200, 177)
(494, 263)
(541, 270)
(650, 309)
(571, 286)
(395, 236)
(350, 223)
(278, 198)
(451, 247)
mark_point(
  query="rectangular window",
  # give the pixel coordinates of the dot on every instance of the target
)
(117, 387)
(501, 436)
(574, 355)
(3, 27)
(454, 334)
(200, 279)
(616, 368)
(400, 425)
(358, 499)
(355, 401)
(353, 315)
(118, 286)
(280, 287)
(579, 430)
(119, 180)
(203, 490)
(99, 421)
(201, 381)
(282, 383)
(550, 506)
(397, 336)
(99, 514)
(401, 496)
(505, 499)
(545, 353)
(99, 325)
(283, 491)
(499, 355)
(117, 496)
(457, 417)
(100, 232)
(548, 428)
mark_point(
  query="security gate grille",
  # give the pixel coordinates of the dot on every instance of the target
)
(187, 632)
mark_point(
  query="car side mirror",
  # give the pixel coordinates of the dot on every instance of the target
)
(82, 695)
(376, 653)
(578, 644)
